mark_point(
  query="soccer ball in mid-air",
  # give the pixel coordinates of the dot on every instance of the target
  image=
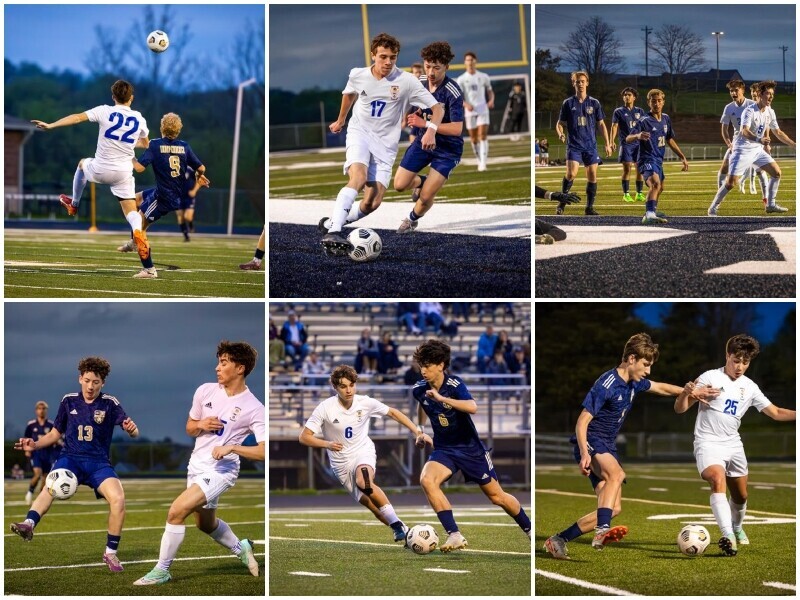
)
(367, 244)
(62, 484)
(422, 539)
(157, 41)
(693, 540)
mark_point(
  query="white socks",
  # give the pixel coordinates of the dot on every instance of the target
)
(78, 183)
(225, 537)
(135, 219)
(387, 510)
(483, 146)
(722, 513)
(170, 542)
(341, 209)
(772, 190)
(721, 178)
(721, 193)
(737, 514)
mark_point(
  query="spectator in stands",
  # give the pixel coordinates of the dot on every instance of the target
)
(367, 349)
(486, 344)
(277, 351)
(504, 345)
(431, 316)
(408, 315)
(461, 311)
(413, 375)
(18, 473)
(497, 366)
(388, 360)
(315, 371)
(294, 336)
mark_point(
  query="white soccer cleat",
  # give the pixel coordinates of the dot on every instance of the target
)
(712, 211)
(557, 547)
(455, 541)
(407, 226)
(128, 246)
(150, 273)
(776, 208)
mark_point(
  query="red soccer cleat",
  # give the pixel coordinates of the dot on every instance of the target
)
(66, 202)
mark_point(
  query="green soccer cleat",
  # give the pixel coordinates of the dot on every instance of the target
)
(626, 197)
(641, 197)
(155, 577)
(653, 221)
(248, 558)
(741, 537)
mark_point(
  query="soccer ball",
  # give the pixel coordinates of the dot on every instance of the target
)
(367, 244)
(693, 540)
(157, 41)
(422, 539)
(62, 484)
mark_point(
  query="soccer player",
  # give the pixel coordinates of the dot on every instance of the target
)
(86, 420)
(732, 118)
(583, 116)
(121, 130)
(604, 410)
(752, 172)
(446, 154)
(41, 460)
(623, 119)
(718, 447)
(748, 149)
(546, 233)
(654, 132)
(446, 401)
(254, 264)
(223, 414)
(478, 101)
(343, 420)
(185, 214)
(381, 95)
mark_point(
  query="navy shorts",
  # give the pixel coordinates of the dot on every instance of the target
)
(647, 169)
(45, 463)
(596, 446)
(89, 472)
(154, 207)
(415, 159)
(476, 466)
(629, 153)
(586, 158)
(187, 202)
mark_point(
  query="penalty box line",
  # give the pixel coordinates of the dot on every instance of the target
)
(126, 563)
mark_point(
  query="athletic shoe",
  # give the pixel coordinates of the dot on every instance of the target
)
(557, 547)
(155, 577)
(23, 530)
(545, 238)
(626, 197)
(336, 244)
(653, 220)
(252, 265)
(248, 558)
(407, 226)
(741, 537)
(400, 534)
(764, 201)
(321, 226)
(481, 167)
(140, 239)
(415, 194)
(29, 498)
(775, 208)
(150, 273)
(712, 211)
(641, 197)
(455, 541)
(128, 246)
(66, 202)
(614, 534)
(113, 562)
(560, 210)
(590, 212)
(728, 545)
(186, 238)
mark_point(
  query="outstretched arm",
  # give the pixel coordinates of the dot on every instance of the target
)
(780, 414)
(62, 122)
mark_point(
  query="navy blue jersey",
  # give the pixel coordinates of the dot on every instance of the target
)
(35, 430)
(627, 119)
(448, 94)
(581, 119)
(87, 428)
(451, 428)
(170, 159)
(652, 151)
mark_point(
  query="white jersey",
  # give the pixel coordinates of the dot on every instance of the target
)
(759, 123)
(241, 415)
(349, 427)
(381, 105)
(120, 129)
(475, 87)
(733, 114)
(719, 421)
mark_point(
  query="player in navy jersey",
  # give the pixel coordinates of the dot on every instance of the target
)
(185, 214)
(446, 154)
(654, 133)
(86, 421)
(604, 410)
(583, 116)
(41, 460)
(457, 446)
(622, 120)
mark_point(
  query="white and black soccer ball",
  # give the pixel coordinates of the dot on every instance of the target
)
(367, 244)
(422, 539)
(693, 540)
(157, 41)
(62, 484)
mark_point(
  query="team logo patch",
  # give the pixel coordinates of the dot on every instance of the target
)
(358, 414)
(665, 129)
(590, 111)
(394, 92)
(446, 405)
(207, 405)
(236, 412)
(99, 416)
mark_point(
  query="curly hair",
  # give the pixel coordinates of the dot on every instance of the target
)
(94, 364)
(437, 52)
(240, 353)
(171, 126)
(743, 346)
(763, 86)
(432, 352)
(343, 372)
(384, 40)
(122, 91)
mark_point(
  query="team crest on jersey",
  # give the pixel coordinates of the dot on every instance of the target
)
(358, 414)
(590, 111)
(99, 416)
(394, 92)
(665, 128)
(235, 413)
(446, 405)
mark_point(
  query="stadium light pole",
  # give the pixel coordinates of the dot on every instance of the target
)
(234, 160)
(784, 48)
(717, 34)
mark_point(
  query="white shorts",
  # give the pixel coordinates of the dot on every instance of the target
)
(742, 159)
(121, 182)
(731, 458)
(213, 485)
(347, 472)
(360, 150)
(474, 120)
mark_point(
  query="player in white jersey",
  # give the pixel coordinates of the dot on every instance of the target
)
(752, 172)
(223, 414)
(478, 100)
(748, 148)
(343, 421)
(732, 119)
(380, 96)
(718, 448)
(121, 130)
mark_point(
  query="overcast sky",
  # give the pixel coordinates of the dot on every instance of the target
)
(753, 32)
(160, 352)
(314, 45)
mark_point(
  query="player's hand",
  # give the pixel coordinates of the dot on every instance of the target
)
(434, 395)
(585, 464)
(129, 426)
(562, 137)
(41, 125)
(609, 150)
(643, 135)
(26, 444)
(220, 451)
(335, 446)
(204, 181)
(490, 103)
(336, 126)
(565, 198)
(614, 146)
(703, 393)
(429, 140)
(415, 120)
(423, 440)
(211, 424)
(685, 164)
(468, 106)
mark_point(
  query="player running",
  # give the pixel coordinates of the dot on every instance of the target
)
(654, 133)
(478, 101)
(223, 414)
(604, 410)
(718, 448)
(732, 118)
(446, 154)
(457, 446)
(41, 460)
(86, 419)
(343, 422)
(185, 214)
(623, 119)
(380, 96)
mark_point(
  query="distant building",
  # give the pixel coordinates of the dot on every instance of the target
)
(17, 133)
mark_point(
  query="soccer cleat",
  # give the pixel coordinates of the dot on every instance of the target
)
(336, 244)
(400, 534)
(155, 577)
(128, 246)
(29, 498)
(640, 197)
(66, 202)
(590, 212)
(626, 197)
(606, 535)
(323, 229)
(712, 211)
(455, 541)
(764, 201)
(557, 547)
(248, 558)
(415, 194)
(140, 239)
(653, 220)
(23, 530)
(113, 562)
(741, 537)
(775, 208)
(147, 274)
(481, 167)
(727, 545)
(560, 210)
(407, 226)
(545, 238)
(252, 265)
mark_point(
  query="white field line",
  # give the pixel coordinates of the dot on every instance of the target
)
(371, 523)
(780, 586)
(75, 272)
(468, 550)
(585, 584)
(471, 510)
(574, 473)
(125, 563)
(447, 570)
(450, 185)
(85, 531)
(309, 574)
(127, 292)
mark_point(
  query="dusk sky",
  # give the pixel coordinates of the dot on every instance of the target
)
(751, 40)
(160, 352)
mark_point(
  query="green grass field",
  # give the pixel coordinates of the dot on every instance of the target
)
(685, 193)
(657, 501)
(65, 556)
(348, 552)
(66, 264)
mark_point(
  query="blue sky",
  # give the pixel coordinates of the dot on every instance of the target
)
(160, 352)
(753, 32)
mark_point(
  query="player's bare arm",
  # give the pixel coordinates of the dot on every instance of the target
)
(28, 445)
(257, 452)
(641, 136)
(347, 103)
(490, 98)
(307, 439)
(602, 126)
(429, 139)
(142, 142)
(419, 437)
(196, 427)
(581, 427)
(130, 427)
(782, 137)
(62, 122)
(137, 166)
(725, 137)
(780, 414)
(674, 145)
(560, 130)
(467, 406)
(693, 393)
(614, 128)
(454, 128)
